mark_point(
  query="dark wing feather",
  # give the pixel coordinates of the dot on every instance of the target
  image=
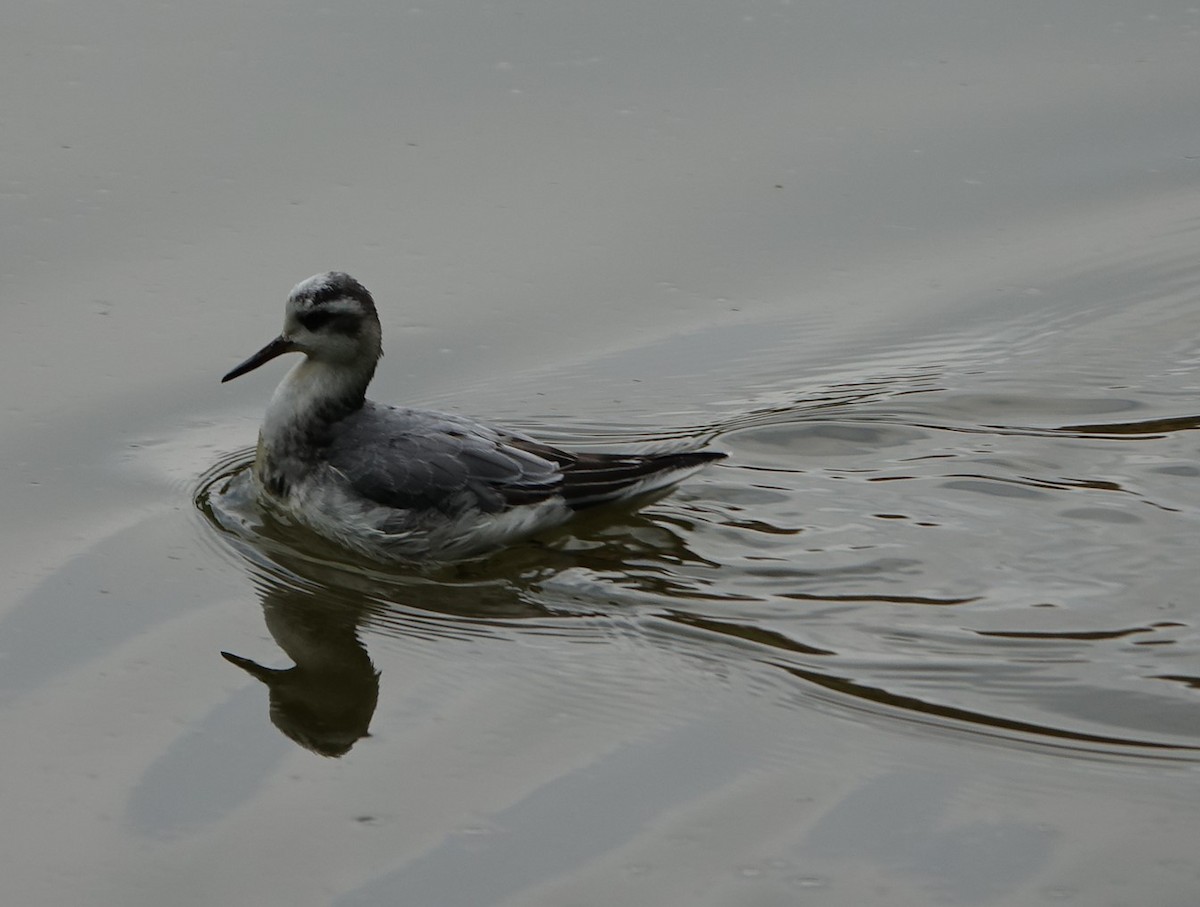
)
(418, 460)
(595, 478)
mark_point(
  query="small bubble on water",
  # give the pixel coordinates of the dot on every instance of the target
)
(809, 881)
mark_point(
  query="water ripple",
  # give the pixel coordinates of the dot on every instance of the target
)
(909, 547)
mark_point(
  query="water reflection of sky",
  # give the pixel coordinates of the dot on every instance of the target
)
(926, 271)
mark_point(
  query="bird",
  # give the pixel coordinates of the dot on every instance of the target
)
(406, 485)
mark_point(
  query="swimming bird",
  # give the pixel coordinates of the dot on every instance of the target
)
(401, 484)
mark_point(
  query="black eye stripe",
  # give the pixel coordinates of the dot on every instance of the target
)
(330, 322)
(315, 320)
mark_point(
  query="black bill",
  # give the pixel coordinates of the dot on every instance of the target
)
(276, 347)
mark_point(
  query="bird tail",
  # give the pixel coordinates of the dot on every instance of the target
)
(595, 479)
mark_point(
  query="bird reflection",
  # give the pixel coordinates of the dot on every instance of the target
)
(325, 701)
(316, 602)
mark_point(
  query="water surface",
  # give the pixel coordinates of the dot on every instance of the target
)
(927, 272)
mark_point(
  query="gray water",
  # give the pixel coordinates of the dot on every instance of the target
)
(926, 271)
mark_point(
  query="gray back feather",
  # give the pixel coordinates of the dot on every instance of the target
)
(416, 459)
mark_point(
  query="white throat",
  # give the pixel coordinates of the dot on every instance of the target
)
(313, 393)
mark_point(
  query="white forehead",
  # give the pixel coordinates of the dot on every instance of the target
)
(331, 291)
(311, 285)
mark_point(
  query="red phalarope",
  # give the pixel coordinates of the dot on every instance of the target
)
(400, 484)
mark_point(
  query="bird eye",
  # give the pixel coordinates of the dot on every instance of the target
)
(314, 321)
(330, 322)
